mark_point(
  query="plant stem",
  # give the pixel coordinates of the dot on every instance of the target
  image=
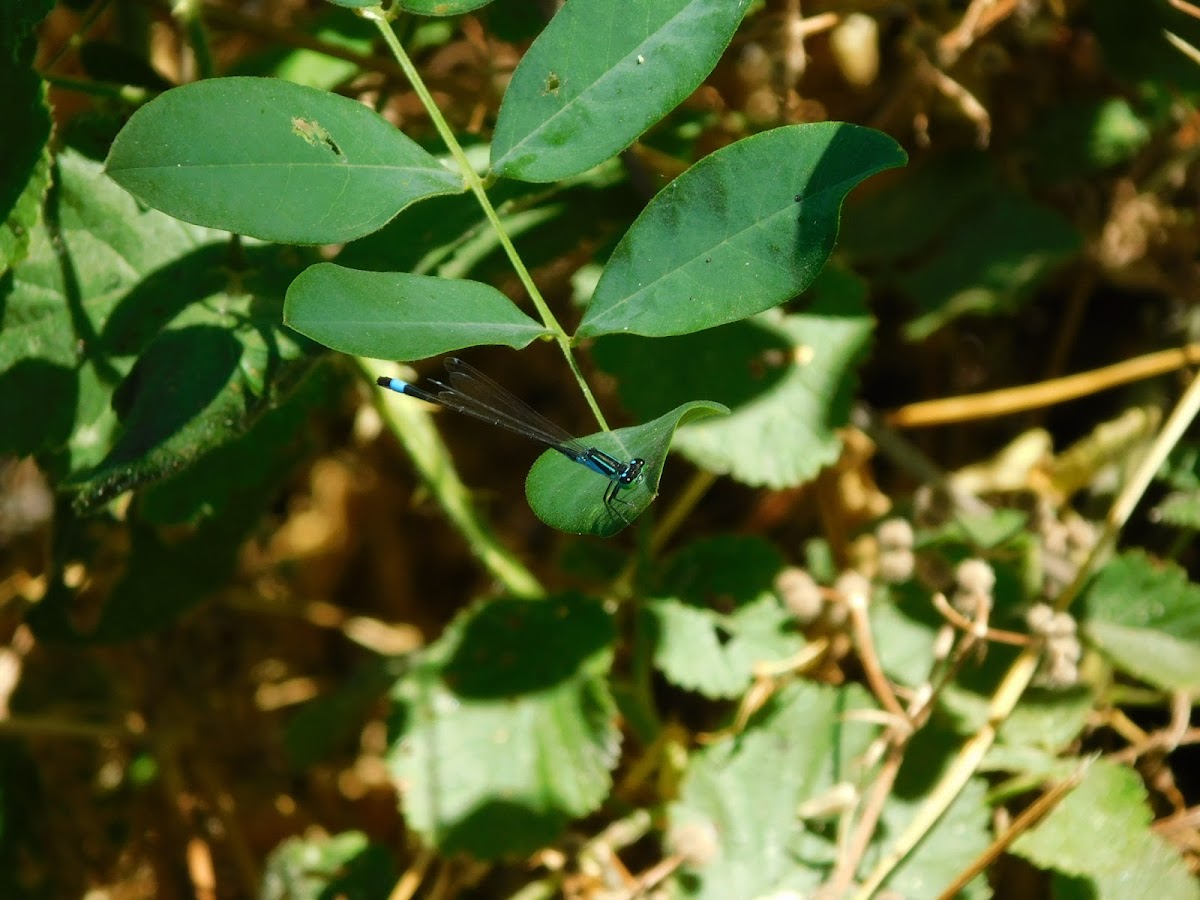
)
(189, 14)
(476, 186)
(1022, 670)
(412, 427)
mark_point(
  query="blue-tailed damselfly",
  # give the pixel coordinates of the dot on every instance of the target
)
(471, 392)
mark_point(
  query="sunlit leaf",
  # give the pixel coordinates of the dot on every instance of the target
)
(787, 379)
(567, 109)
(319, 867)
(273, 160)
(505, 731)
(741, 231)
(567, 496)
(393, 315)
(1132, 855)
(1146, 617)
(72, 333)
(718, 618)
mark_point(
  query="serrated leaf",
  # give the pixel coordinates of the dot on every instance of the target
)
(565, 110)
(199, 384)
(80, 308)
(248, 470)
(960, 834)
(273, 160)
(741, 231)
(1181, 509)
(24, 159)
(1182, 468)
(1132, 861)
(566, 496)
(18, 21)
(720, 618)
(505, 731)
(1044, 718)
(345, 865)
(1146, 618)
(393, 315)
(741, 796)
(904, 625)
(1028, 761)
(788, 380)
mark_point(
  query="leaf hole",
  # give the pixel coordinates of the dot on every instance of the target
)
(315, 134)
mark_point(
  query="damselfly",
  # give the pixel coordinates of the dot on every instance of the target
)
(471, 392)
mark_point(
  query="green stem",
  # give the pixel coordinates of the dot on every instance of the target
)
(476, 186)
(412, 427)
(189, 14)
(126, 93)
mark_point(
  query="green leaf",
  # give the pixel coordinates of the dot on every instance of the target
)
(199, 384)
(992, 261)
(566, 496)
(393, 315)
(337, 27)
(1044, 719)
(1132, 861)
(904, 625)
(80, 308)
(249, 470)
(24, 157)
(274, 160)
(1145, 616)
(1181, 509)
(16, 231)
(452, 237)
(958, 838)
(984, 530)
(1083, 138)
(788, 379)
(440, 7)
(600, 75)
(721, 617)
(505, 731)
(18, 22)
(1182, 468)
(744, 229)
(740, 796)
(345, 865)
